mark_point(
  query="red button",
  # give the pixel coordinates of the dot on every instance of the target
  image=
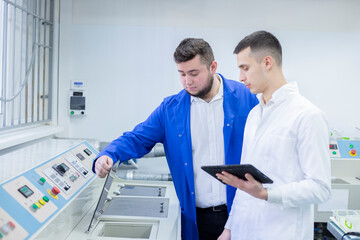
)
(55, 190)
(12, 225)
(353, 151)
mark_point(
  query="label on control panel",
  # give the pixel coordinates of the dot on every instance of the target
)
(77, 165)
(57, 179)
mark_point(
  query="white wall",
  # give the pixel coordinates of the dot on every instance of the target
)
(123, 51)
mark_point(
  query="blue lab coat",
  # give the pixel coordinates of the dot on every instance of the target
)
(170, 124)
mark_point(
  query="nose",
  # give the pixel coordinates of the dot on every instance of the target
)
(188, 80)
(242, 77)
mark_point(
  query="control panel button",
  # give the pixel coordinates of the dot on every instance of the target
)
(42, 181)
(334, 152)
(46, 199)
(353, 153)
(351, 146)
(11, 224)
(55, 191)
(42, 202)
(34, 206)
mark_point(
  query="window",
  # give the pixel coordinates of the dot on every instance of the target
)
(26, 62)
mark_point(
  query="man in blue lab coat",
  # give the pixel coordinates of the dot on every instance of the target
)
(201, 125)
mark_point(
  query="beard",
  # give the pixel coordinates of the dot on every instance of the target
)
(203, 92)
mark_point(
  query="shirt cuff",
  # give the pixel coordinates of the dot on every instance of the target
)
(274, 195)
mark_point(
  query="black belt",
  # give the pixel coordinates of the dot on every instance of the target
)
(219, 208)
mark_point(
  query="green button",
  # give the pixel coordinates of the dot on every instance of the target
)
(35, 206)
(334, 152)
(42, 180)
(72, 112)
(351, 146)
(46, 199)
(1, 236)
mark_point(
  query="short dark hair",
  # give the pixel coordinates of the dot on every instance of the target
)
(190, 47)
(261, 43)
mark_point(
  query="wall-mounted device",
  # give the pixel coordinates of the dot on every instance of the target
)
(77, 98)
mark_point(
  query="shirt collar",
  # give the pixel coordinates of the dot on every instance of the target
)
(281, 94)
(219, 95)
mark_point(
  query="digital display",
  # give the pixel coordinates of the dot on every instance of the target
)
(64, 166)
(87, 151)
(333, 146)
(61, 169)
(25, 191)
(81, 157)
(77, 103)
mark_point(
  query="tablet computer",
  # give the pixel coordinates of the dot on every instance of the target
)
(238, 170)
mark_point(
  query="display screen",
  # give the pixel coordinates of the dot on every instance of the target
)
(87, 151)
(64, 167)
(61, 169)
(26, 191)
(81, 157)
(77, 103)
(333, 146)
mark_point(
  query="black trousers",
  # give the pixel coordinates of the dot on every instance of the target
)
(211, 221)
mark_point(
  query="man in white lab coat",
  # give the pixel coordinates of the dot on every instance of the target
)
(286, 137)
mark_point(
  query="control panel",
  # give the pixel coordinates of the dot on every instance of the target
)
(30, 200)
(344, 149)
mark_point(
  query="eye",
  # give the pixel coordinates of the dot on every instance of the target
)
(193, 74)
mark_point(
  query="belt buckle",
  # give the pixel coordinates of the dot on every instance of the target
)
(217, 208)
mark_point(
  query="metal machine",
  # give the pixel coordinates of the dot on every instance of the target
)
(132, 210)
(61, 198)
(345, 183)
(30, 200)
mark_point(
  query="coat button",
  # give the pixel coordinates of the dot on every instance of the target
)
(228, 124)
(180, 135)
(186, 164)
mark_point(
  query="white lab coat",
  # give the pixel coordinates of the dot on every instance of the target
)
(287, 139)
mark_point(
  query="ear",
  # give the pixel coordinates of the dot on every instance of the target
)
(213, 67)
(269, 61)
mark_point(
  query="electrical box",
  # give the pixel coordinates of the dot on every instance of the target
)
(77, 98)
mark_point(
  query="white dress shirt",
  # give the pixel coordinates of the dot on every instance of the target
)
(287, 139)
(207, 121)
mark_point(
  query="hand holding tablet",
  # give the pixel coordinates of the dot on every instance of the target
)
(238, 170)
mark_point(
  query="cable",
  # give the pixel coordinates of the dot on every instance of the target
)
(351, 233)
(25, 80)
